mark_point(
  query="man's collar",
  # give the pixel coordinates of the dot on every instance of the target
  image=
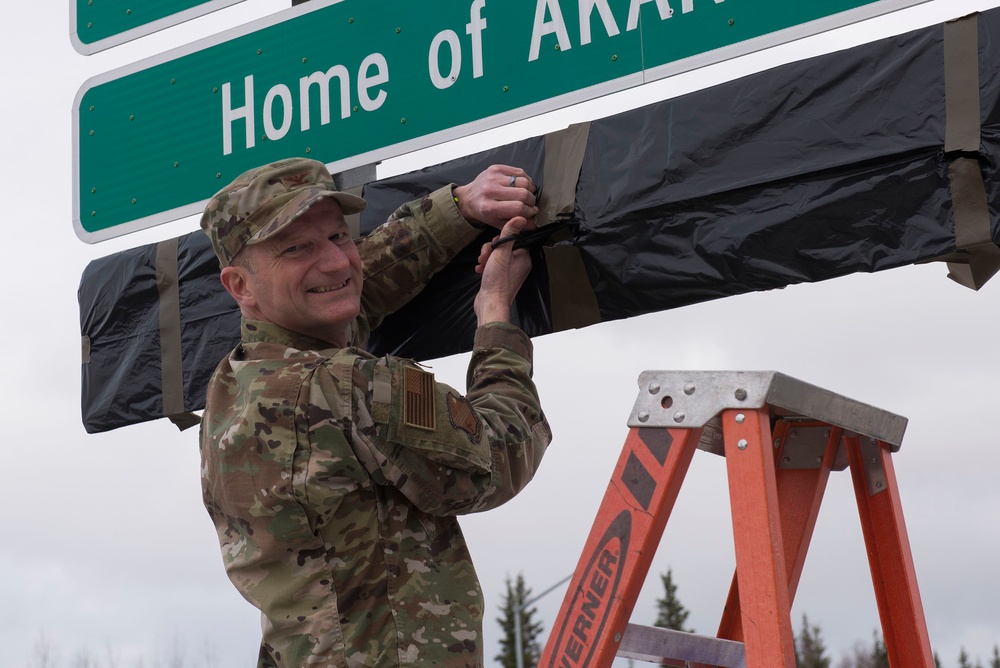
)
(255, 331)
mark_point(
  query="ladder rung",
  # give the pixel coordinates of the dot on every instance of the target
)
(654, 644)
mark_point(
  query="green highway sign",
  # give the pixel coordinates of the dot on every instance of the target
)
(95, 26)
(351, 82)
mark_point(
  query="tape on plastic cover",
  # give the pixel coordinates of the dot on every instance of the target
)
(572, 300)
(971, 213)
(171, 365)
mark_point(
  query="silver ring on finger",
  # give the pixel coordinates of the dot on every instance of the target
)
(513, 179)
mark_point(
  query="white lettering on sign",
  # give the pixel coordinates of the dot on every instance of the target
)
(586, 9)
(474, 29)
(633, 11)
(557, 25)
(449, 37)
(372, 73)
(542, 27)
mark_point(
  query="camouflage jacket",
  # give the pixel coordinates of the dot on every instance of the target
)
(333, 477)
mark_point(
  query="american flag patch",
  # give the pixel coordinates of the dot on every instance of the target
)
(418, 406)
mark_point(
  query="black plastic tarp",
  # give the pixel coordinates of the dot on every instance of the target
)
(812, 170)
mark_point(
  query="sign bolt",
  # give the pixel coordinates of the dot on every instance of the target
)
(304, 60)
(402, 120)
(742, 444)
(173, 81)
(740, 418)
(614, 57)
(177, 164)
(218, 175)
(777, 443)
(679, 417)
(506, 88)
(91, 133)
(93, 213)
(399, 30)
(654, 388)
(93, 190)
(131, 117)
(133, 200)
(643, 416)
(689, 389)
(732, 22)
(740, 394)
(128, 11)
(350, 20)
(618, 637)
(260, 51)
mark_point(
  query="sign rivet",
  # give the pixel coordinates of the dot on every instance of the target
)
(93, 213)
(128, 11)
(654, 388)
(402, 120)
(614, 57)
(308, 150)
(689, 389)
(260, 51)
(131, 117)
(355, 108)
(173, 81)
(732, 22)
(93, 190)
(350, 20)
(740, 394)
(218, 175)
(506, 88)
(91, 107)
(177, 164)
(304, 60)
(643, 416)
(90, 25)
(777, 443)
(399, 30)
(215, 89)
(740, 417)
(558, 48)
(679, 417)
(91, 133)
(618, 637)
(742, 444)
(133, 200)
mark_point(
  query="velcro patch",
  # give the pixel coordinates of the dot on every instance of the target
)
(418, 392)
(462, 416)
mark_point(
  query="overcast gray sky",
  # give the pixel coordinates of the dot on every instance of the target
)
(105, 543)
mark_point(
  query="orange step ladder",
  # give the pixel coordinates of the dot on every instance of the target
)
(781, 438)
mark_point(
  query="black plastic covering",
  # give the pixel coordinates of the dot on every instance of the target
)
(801, 173)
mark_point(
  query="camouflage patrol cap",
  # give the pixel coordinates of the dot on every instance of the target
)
(265, 200)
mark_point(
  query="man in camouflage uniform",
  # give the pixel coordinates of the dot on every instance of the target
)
(334, 477)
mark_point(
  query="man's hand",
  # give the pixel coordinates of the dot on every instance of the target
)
(504, 270)
(498, 194)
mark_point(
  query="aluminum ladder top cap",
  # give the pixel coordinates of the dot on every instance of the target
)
(690, 399)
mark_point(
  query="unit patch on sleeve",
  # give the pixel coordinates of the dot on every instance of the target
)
(418, 393)
(462, 416)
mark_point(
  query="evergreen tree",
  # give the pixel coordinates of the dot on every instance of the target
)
(810, 651)
(671, 613)
(880, 655)
(937, 661)
(531, 630)
(963, 659)
(995, 661)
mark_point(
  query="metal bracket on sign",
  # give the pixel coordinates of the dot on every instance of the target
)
(871, 458)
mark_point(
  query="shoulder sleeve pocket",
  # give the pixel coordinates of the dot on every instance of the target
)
(433, 421)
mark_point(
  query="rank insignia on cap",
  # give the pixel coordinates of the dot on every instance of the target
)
(418, 389)
(462, 416)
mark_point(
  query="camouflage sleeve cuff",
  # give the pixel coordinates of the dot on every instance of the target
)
(446, 224)
(506, 336)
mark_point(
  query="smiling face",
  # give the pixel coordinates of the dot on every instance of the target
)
(306, 278)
